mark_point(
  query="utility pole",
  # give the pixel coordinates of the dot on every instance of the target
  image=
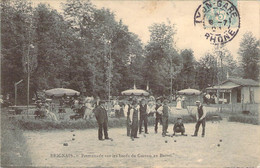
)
(109, 72)
(219, 73)
(28, 77)
(15, 91)
(171, 76)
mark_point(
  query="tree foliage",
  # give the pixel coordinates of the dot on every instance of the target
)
(85, 48)
(249, 56)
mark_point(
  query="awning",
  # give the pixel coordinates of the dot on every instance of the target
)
(222, 88)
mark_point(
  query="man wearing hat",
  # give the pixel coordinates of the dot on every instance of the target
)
(165, 115)
(200, 116)
(143, 116)
(102, 120)
(179, 127)
(134, 117)
(127, 109)
(158, 116)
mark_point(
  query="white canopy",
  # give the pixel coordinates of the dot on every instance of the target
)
(135, 92)
(189, 92)
(61, 91)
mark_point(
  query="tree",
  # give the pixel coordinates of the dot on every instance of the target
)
(160, 58)
(186, 76)
(16, 37)
(249, 56)
(104, 45)
(206, 71)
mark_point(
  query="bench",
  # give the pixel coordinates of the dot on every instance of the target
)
(246, 112)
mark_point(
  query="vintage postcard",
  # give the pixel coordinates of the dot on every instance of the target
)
(130, 83)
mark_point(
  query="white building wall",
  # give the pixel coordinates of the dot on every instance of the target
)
(245, 91)
(256, 94)
(245, 94)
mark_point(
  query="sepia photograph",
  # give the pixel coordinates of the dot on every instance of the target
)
(130, 83)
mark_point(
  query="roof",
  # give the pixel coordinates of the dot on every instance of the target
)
(223, 87)
(242, 82)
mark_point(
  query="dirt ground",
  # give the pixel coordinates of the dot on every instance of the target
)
(240, 146)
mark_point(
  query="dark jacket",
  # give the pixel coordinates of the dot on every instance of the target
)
(101, 114)
(165, 111)
(156, 108)
(200, 111)
(178, 125)
(143, 109)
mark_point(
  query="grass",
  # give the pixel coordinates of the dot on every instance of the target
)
(13, 145)
(249, 119)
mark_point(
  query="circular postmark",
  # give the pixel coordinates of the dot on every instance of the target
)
(220, 20)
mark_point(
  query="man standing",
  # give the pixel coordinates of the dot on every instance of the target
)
(158, 116)
(165, 115)
(200, 116)
(143, 116)
(134, 117)
(127, 109)
(102, 120)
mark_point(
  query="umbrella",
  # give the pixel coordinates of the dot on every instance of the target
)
(61, 91)
(135, 92)
(189, 92)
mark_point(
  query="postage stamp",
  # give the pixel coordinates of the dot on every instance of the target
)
(220, 19)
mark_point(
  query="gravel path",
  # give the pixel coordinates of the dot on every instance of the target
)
(240, 146)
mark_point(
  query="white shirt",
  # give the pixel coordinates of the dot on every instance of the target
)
(160, 110)
(126, 109)
(204, 113)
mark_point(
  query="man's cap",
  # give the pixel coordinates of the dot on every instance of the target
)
(197, 101)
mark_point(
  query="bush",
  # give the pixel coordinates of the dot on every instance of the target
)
(250, 119)
(32, 124)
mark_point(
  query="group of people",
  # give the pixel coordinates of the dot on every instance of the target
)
(181, 102)
(137, 116)
(210, 99)
(44, 109)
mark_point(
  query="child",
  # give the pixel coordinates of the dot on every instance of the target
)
(179, 127)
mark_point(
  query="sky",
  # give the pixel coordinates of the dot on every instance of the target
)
(139, 15)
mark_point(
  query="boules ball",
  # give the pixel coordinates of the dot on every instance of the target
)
(111, 139)
(73, 134)
(218, 145)
(220, 140)
(73, 139)
(65, 144)
(166, 141)
(175, 141)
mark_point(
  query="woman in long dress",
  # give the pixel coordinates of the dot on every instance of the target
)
(178, 106)
(88, 112)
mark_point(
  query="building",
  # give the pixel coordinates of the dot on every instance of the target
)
(235, 90)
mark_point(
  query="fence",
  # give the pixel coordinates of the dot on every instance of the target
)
(238, 108)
